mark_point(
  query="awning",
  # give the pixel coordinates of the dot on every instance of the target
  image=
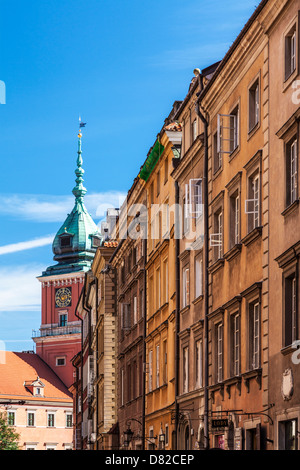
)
(151, 161)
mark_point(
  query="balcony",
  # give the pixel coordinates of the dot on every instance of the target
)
(56, 331)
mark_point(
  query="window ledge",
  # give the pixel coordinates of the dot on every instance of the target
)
(253, 235)
(287, 349)
(185, 309)
(233, 252)
(217, 172)
(253, 130)
(290, 208)
(197, 299)
(252, 374)
(216, 265)
(234, 153)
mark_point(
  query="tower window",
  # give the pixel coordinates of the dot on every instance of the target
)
(65, 242)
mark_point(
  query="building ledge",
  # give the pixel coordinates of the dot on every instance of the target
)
(252, 236)
(233, 252)
(216, 265)
(291, 208)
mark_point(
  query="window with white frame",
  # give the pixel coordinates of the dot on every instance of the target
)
(165, 281)
(157, 366)
(11, 418)
(150, 381)
(228, 131)
(254, 105)
(185, 369)
(185, 287)
(199, 364)
(193, 198)
(158, 288)
(235, 344)
(291, 171)
(217, 156)
(219, 352)
(234, 218)
(165, 362)
(216, 239)
(198, 276)
(254, 335)
(290, 52)
(252, 204)
(135, 310)
(60, 361)
(69, 420)
(50, 420)
(194, 130)
(30, 418)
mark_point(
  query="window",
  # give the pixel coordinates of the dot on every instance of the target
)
(125, 317)
(290, 52)
(158, 183)
(234, 219)
(69, 420)
(63, 319)
(234, 129)
(158, 290)
(165, 281)
(166, 170)
(194, 130)
(30, 418)
(157, 366)
(135, 312)
(198, 277)
(186, 222)
(11, 418)
(219, 352)
(193, 199)
(235, 344)
(288, 435)
(185, 369)
(166, 435)
(254, 335)
(50, 420)
(150, 384)
(217, 156)
(199, 364)
(291, 172)
(165, 362)
(128, 379)
(252, 205)
(253, 105)
(228, 132)
(216, 239)
(185, 287)
(60, 361)
(122, 387)
(65, 241)
(290, 307)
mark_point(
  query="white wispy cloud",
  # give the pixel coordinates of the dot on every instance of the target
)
(19, 288)
(48, 208)
(27, 245)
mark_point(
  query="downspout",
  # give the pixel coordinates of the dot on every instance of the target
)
(205, 299)
(177, 314)
(144, 352)
(81, 358)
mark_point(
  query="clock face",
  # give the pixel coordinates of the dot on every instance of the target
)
(63, 297)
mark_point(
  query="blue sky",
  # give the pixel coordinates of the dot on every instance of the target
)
(120, 65)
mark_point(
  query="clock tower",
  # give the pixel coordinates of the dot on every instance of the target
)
(59, 337)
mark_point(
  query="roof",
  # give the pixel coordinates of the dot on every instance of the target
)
(111, 244)
(77, 255)
(25, 368)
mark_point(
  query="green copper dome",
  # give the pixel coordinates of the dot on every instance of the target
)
(75, 243)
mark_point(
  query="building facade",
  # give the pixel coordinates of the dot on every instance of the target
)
(36, 402)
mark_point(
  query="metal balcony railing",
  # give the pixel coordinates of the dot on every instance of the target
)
(56, 331)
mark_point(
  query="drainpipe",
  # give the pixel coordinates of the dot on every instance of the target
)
(144, 352)
(81, 359)
(205, 201)
(177, 315)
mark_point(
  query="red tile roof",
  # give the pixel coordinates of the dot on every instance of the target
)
(20, 368)
(112, 244)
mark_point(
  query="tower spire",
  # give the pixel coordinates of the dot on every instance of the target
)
(79, 190)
